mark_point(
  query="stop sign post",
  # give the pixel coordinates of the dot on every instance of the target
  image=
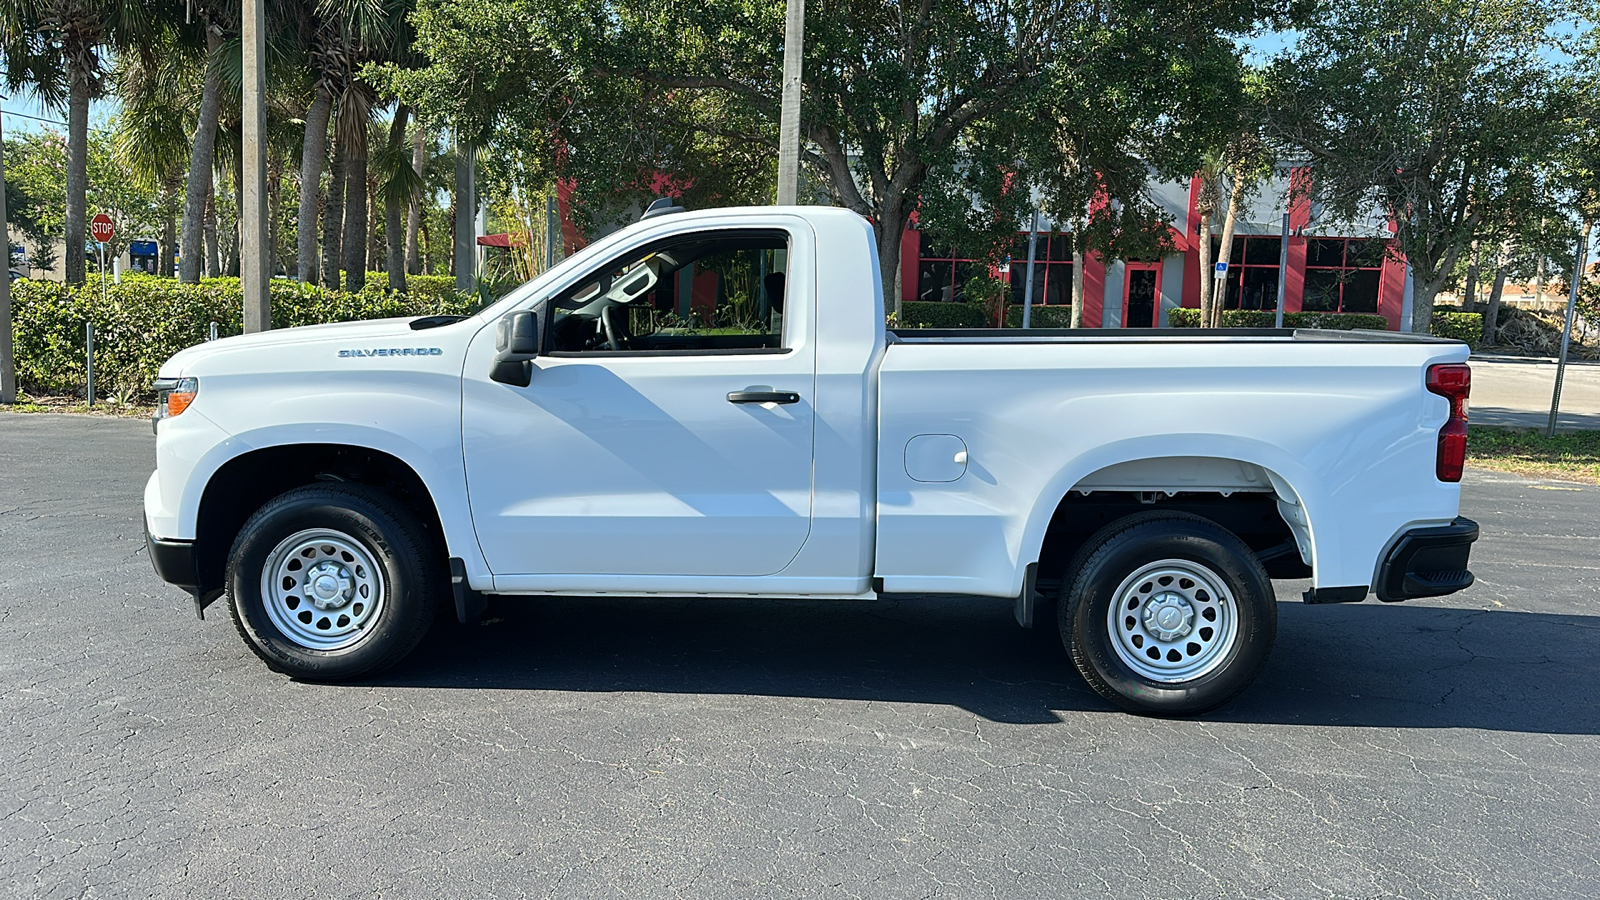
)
(101, 229)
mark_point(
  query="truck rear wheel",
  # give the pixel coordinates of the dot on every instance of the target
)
(1168, 614)
(332, 582)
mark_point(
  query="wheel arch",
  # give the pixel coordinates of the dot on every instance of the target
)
(244, 482)
(1222, 477)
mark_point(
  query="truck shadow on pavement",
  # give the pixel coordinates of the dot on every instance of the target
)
(1403, 666)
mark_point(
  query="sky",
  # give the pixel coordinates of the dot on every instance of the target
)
(23, 114)
(1262, 47)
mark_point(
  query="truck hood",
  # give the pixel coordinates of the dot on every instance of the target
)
(370, 329)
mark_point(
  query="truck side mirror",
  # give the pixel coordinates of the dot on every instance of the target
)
(516, 341)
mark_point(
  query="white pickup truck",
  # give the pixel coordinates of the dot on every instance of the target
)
(709, 404)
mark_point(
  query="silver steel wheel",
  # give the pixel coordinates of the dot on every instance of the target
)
(322, 589)
(1173, 620)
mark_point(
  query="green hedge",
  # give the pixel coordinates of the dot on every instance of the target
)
(144, 320)
(1042, 317)
(1462, 326)
(1266, 318)
(926, 314)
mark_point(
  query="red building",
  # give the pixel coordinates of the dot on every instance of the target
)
(1332, 267)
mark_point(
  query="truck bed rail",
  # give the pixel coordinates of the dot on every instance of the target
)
(1152, 335)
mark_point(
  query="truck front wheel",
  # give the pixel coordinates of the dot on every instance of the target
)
(331, 582)
(1168, 614)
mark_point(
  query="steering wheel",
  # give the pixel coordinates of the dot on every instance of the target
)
(605, 327)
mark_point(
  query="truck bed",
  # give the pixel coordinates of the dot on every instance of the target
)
(1338, 423)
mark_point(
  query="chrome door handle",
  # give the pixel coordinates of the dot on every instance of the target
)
(763, 397)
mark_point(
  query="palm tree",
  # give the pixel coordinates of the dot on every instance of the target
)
(333, 214)
(1208, 201)
(203, 152)
(400, 184)
(355, 113)
(184, 94)
(57, 50)
(368, 31)
(153, 129)
(419, 165)
(327, 56)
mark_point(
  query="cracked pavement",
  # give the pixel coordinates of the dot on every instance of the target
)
(659, 748)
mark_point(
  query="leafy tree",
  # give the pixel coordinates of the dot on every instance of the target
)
(933, 103)
(1577, 166)
(57, 50)
(23, 220)
(1429, 109)
(36, 189)
(1235, 160)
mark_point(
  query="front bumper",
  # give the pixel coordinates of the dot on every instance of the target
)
(1428, 562)
(176, 564)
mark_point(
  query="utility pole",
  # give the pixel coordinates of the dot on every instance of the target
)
(8, 363)
(794, 38)
(254, 254)
(466, 217)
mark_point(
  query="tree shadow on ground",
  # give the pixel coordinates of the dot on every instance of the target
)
(1412, 666)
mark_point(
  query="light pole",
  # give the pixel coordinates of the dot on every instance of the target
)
(1283, 270)
(1283, 248)
(794, 36)
(1027, 286)
(1566, 331)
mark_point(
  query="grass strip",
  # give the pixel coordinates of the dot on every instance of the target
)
(1572, 455)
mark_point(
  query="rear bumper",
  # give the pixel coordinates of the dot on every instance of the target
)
(1428, 562)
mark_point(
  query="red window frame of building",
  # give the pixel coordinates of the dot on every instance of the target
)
(1369, 269)
(1244, 274)
(1052, 265)
(951, 287)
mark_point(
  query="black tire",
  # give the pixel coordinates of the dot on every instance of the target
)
(1150, 562)
(364, 524)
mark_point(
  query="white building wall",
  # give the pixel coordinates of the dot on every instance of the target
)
(1111, 309)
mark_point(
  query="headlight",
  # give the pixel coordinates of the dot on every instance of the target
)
(173, 396)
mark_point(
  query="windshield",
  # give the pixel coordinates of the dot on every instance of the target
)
(537, 285)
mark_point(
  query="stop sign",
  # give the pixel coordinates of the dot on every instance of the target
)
(102, 229)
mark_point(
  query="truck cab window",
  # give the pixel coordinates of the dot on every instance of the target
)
(713, 291)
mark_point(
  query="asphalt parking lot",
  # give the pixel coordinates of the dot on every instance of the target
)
(1446, 748)
(1515, 391)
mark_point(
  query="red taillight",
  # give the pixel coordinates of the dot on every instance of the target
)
(1452, 381)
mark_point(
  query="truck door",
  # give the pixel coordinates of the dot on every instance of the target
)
(667, 428)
